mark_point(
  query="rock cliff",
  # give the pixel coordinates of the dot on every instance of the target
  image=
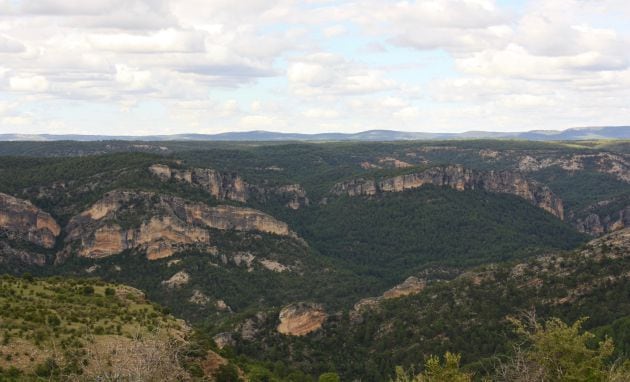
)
(21, 220)
(158, 224)
(230, 186)
(459, 178)
(617, 165)
(595, 225)
(301, 318)
(412, 285)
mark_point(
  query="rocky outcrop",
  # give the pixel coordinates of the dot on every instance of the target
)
(21, 220)
(460, 178)
(616, 165)
(160, 225)
(412, 285)
(9, 254)
(292, 195)
(221, 185)
(301, 318)
(230, 186)
(595, 224)
(179, 279)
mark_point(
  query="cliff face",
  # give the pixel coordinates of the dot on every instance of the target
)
(158, 224)
(230, 186)
(596, 225)
(412, 285)
(300, 319)
(616, 165)
(459, 178)
(20, 219)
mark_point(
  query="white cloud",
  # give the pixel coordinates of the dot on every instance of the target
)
(28, 83)
(133, 78)
(323, 74)
(9, 45)
(426, 64)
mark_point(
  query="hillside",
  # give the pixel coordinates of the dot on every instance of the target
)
(66, 329)
(320, 240)
(468, 314)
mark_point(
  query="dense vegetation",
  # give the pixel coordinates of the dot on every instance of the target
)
(348, 248)
(468, 315)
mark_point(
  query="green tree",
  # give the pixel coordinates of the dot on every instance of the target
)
(329, 377)
(558, 352)
(436, 371)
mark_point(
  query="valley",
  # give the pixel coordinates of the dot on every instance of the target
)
(288, 260)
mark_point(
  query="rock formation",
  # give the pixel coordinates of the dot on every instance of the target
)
(21, 220)
(459, 178)
(595, 224)
(616, 165)
(230, 186)
(158, 224)
(412, 285)
(179, 279)
(301, 318)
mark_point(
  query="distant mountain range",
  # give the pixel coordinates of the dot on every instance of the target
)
(580, 133)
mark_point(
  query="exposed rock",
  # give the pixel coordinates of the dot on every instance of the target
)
(393, 162)
(412, 285)
(460, 178)
(179, 279)
(221, 305)
(250, 327)
(273, 265)
(172, 263)
(608, 163)
(9, 254)
(292, 195)
(92, 269)
(244, 258)
(199, 298)
(489, 154)
(230, 186)
(221, 185)
(223, 339)
(300, 319)
(595, 225)
(160, 225)
(21, 220)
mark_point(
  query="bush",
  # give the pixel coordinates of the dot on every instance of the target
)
(329, 377)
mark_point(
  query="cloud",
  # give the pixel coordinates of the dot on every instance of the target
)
(313, 65)
(9, 45)
(329, 74)
(28, 83)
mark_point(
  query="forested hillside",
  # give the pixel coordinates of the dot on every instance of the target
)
(293, 254)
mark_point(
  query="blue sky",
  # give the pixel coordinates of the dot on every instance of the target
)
(207, 66)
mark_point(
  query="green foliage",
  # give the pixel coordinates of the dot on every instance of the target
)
(436, 371)
(329, 377)
(564, 353)
(227, 373)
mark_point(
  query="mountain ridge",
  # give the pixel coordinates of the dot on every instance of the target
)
(578, 133)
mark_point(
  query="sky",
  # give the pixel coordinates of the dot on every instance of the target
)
(139, 67)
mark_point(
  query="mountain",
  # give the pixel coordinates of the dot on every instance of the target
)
(581, 133)
(292, 259)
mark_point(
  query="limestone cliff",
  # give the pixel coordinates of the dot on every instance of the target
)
(617, 165)
(459, 178)
(158, 224)
(221, 185)
(412, 285)
(21, 220)
(595, 224)
(300, 319)
(230, 186)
